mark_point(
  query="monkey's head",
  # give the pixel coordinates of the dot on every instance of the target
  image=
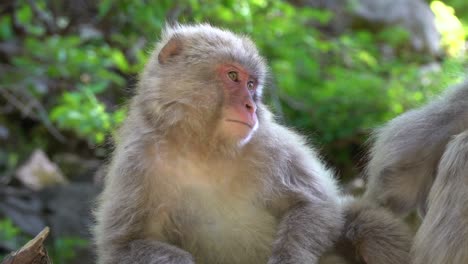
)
(206, 82)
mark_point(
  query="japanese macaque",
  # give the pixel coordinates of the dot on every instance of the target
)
(420, 160)
(203, 174)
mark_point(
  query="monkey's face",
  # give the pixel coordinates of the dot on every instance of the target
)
(239, 117)
(206, 83)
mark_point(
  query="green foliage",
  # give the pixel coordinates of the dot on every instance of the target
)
(65, 249)
(10, 235)
(461, 6)
(87, 69)
(82, 112)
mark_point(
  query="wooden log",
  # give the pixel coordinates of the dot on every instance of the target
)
(33, 252)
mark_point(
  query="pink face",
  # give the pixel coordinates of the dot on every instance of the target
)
(240, 110)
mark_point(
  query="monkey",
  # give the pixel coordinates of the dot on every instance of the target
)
(418, 160)
(202, 172)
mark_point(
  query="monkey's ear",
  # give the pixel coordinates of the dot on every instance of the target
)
(171, 49)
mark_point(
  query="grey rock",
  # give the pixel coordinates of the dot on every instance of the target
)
(413, 15)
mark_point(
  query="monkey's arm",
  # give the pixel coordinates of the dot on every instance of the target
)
(406, 151)
(372, 234)
(312, 220)
(442, 237)
(306, 231)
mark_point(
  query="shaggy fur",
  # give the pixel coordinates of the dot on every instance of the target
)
(419, 159)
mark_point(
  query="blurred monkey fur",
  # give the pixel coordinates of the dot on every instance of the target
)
(202, 173)
(420, 160)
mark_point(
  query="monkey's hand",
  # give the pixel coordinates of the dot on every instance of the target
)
(306, 231)
(374, 234)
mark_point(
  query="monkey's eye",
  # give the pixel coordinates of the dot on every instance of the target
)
(234, 76)
(251, 86)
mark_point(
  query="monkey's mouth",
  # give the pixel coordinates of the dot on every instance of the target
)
(240, 122)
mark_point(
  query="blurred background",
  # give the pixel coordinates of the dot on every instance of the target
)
(340, 68)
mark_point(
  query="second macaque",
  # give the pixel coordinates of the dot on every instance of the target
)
(420, 160)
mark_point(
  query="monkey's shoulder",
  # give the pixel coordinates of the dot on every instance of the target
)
(291, 153)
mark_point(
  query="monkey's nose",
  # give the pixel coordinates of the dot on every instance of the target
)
(250, 106)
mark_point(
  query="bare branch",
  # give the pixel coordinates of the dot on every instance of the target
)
(32, 109)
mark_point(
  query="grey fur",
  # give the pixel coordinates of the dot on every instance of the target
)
(442, 237)
(371, 235)
(418, 160)
(176, 193)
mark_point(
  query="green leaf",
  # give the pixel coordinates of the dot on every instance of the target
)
(119, 60)
(104, 7)
(5, 28)
(24, 14)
